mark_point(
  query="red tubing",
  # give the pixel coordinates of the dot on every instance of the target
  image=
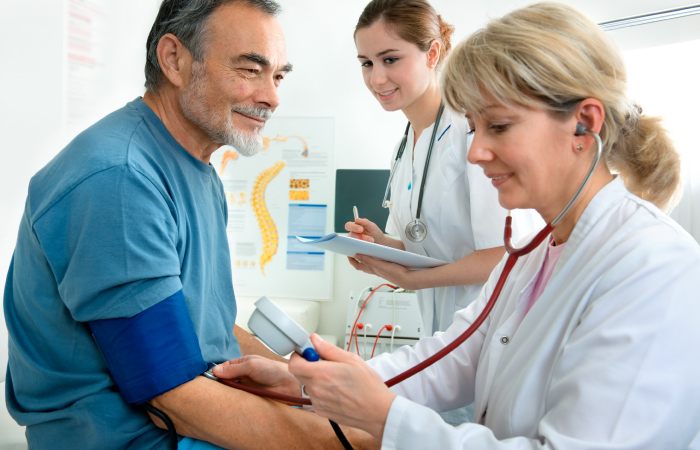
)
(510, 262)
(518, 252)
(513, 255)
(265, 393)
(354, 329)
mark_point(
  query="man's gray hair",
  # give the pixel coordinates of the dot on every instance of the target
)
(187, 20)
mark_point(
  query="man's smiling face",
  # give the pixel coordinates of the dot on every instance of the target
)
(232, 92)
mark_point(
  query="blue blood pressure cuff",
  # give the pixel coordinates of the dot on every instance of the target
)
(152, 352)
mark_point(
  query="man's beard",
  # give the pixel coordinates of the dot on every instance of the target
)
(222, 130)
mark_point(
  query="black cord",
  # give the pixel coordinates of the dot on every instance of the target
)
(427, 159)
(341, 437)
(168, 423)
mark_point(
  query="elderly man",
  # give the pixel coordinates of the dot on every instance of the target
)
(119, 294)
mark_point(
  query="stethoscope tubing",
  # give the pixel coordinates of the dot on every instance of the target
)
(599, 154)
(427, 160)
(399, 154)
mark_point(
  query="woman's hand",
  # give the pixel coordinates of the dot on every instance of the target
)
(256, 371)
(391, 272)
(344, 388)
(364, 230)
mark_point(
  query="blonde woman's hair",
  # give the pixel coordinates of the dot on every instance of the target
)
(551, 56)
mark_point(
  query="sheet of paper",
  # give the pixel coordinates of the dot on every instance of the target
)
(350, 247)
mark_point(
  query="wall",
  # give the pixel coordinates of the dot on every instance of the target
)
(326, 82)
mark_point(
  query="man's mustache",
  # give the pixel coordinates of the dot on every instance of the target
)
(263, 113)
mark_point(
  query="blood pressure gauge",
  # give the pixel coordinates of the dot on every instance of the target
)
(279, 332)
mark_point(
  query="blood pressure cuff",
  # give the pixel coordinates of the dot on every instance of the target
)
(152, 352)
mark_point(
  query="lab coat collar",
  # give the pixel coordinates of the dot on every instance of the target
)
(424, 138)
(602, 202)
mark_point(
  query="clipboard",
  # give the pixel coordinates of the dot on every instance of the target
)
(350, 247)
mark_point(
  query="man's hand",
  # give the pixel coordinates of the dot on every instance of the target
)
(260, 372)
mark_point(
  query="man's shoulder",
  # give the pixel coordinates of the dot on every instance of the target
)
(116, 140)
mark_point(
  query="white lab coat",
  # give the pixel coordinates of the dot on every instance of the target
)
(605, 359)
(460, 209)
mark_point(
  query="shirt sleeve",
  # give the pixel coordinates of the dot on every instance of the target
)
(111, 244)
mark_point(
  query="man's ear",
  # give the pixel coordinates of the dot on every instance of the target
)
(174, 59)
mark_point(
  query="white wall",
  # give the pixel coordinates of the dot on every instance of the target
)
(326, 82)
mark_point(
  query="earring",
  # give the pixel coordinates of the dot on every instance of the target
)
(579, 147)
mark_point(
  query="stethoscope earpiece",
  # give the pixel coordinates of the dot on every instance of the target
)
(580, 130)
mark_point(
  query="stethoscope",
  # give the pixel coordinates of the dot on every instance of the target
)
(416, 230)
(513, 255)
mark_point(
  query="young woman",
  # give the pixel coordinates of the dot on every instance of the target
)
(588, 344)
(401, 44)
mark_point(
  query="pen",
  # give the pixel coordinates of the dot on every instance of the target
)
(354, 212)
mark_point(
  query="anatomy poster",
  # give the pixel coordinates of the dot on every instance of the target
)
(286, 190)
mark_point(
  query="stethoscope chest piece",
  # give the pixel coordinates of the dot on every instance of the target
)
(416, 231)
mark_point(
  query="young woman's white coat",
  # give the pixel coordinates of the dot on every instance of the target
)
(460, 209)
(605, 359)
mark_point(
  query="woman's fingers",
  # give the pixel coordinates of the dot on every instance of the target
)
(344, 388)
(362, 237)
(299, 367)
(359, 266)
(394, 273)
(364, 227)
(381, 266)
(352, 227)
(330, 352)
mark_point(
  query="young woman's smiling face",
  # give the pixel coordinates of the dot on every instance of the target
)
(395, 71)
(529, 156)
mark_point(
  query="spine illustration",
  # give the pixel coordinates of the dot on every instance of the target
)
(268, 230)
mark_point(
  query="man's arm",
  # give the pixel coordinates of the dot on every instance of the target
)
(251, 346)
(206, 410)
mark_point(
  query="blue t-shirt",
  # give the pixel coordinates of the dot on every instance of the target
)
(121, 219)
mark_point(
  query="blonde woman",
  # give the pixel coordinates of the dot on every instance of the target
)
(591, 344)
